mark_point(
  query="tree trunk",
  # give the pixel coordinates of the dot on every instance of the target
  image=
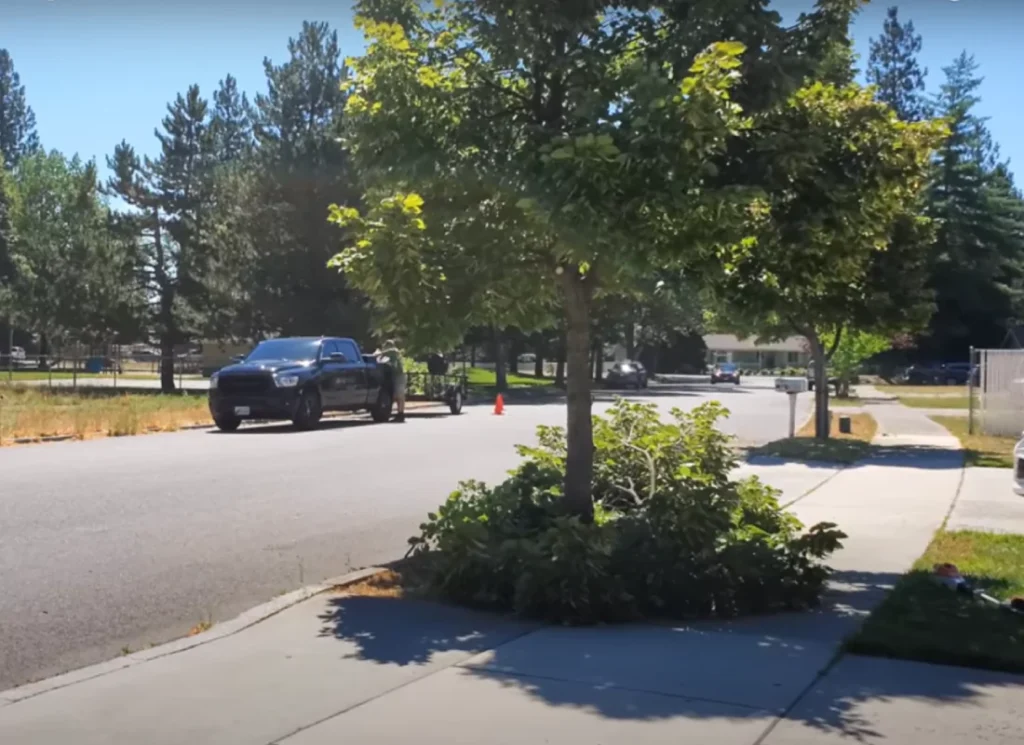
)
(630, 336)
(500, 375)
(513, 356)
(560, 364)
(821, 418)
(472, 356)
(167, 362)
(579, 462)
(538, 363)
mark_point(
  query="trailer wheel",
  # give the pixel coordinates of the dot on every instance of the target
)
(455, 402)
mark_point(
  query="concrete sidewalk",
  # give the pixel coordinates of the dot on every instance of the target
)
(371, 670)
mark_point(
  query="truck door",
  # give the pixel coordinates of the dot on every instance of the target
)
(331, 382)
(352, 375)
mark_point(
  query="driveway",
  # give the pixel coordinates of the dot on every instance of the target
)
(116, 544)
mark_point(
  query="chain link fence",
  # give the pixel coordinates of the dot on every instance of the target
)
(1000, 396)
(103, 366)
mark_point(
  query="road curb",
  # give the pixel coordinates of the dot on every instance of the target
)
(240, 623)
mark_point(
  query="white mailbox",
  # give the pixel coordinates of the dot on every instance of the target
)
(791, 385)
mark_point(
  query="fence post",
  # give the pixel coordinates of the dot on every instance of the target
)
(970, 393)
(10, 348)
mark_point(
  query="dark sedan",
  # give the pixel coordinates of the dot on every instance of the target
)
(627, 374)
(725, 373)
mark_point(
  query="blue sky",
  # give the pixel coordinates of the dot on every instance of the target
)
(97, 71)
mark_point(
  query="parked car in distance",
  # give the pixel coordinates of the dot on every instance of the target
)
(626, 374)
(725, 373)
(298, 379)
(950, 373)
(832, 379)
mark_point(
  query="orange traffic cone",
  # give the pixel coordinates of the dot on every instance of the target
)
(499, 405)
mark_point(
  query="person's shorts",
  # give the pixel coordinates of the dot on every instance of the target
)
(400, 386)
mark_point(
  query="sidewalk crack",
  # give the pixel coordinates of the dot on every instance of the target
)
(283, 738)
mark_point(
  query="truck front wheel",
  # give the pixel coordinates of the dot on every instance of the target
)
(381, 411)
(227, 423)
(309, 411)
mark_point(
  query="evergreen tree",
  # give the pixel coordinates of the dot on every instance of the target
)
(301, 171)
(893, 68)
(976, 270)
(6, 240)
(231, 122)
(170, 198)
(18, 135)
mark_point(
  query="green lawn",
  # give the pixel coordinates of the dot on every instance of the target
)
(923, 390)
(478, 376)
(981, 450)
(936, 402)
(922, 620)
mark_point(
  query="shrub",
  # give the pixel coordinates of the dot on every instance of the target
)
(673, 534)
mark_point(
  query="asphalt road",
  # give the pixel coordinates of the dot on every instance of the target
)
(120, 543)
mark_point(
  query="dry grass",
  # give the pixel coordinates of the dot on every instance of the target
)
(27, 412)
(403, 579)
(200, 627)
(838, 448)
(862, 427)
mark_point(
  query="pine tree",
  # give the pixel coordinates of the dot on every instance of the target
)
(6, 238)
(18, 135)
(231, 122)
(301, 171)
(893, 68)
(979, 251)
(171, 200)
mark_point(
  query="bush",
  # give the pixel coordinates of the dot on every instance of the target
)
(673, 535)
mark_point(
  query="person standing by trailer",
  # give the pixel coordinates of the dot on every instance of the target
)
(389, 353)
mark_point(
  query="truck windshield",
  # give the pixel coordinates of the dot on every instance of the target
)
(290, 350)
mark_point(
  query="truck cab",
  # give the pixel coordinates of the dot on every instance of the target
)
(298, 379)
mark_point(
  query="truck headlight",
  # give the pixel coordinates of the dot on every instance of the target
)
(213, 380)
(286, 381)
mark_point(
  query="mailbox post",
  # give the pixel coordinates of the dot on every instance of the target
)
(792, 387)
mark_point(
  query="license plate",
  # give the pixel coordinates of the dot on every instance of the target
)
(241, 411)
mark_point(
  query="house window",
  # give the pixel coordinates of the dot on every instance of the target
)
(793, 358)
(721, 358)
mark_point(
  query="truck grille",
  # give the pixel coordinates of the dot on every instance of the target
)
(244, 384)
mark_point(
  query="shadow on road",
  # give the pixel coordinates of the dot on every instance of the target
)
(610, 670)
(325, 424)
(543, 395)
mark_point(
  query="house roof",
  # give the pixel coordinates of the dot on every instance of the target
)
(732, 343)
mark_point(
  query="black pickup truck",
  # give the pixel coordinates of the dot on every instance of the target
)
(299, 378)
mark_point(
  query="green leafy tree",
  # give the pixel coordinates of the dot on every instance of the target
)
(72, 278)
(842, 177)
(852, 348)
(588, 135)
(894, 70)
(18, 136)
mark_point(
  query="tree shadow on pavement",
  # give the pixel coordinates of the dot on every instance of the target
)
(853, 454)
(733, 670)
